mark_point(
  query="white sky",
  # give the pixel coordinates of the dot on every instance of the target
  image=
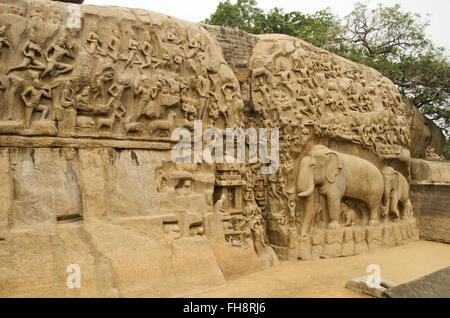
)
(198, 10)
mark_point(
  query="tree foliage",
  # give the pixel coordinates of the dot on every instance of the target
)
(243, 15)
(385, 38)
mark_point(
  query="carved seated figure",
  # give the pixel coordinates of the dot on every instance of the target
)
(221, 205)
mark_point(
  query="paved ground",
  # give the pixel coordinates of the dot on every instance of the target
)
(327, 277)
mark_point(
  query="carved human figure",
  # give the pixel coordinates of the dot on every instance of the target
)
(149, 108)
(259, 85)
(114, 106)
(32, 99)
(259, 237)
(133, 49)
(54, 16)
(221, 205)
(213, 113)
(55, 54)
(186, 187)
(196, 49)
(172, 35)
(291, 205)
(178, 58)
(116, 91)
(113, 48)
(3, 39)
(94, 45)
(68, 104)
(190, 109)
(147, 51)
(338, 175)
(163, 63)
(98, 83)
(82, 102)
(36, 13)
(31, 52)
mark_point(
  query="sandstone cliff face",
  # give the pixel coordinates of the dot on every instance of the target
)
(90, 97)
(424, 133)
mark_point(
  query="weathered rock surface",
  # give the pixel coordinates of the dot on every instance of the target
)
(90, 97)
(434, 285)
(361, 285)
(430, 190)
(430, 172)
(424, 133)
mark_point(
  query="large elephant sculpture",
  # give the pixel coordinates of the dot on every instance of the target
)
(396, 189)
(338, 175)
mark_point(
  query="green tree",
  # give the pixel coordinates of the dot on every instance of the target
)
(243, 15)
(319, 28)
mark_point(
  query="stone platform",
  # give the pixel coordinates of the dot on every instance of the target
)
(323, 243)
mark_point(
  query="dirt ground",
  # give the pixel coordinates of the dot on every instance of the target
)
(327, 277)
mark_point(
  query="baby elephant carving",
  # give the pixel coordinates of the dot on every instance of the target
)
(349, 215)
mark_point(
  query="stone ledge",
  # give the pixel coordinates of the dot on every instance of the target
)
(323, 243)
(51, 142)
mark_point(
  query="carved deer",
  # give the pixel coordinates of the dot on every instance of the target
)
(162, 124)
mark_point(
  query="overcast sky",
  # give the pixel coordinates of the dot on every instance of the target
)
(198, 10)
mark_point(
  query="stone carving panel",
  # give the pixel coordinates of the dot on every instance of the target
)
(317, 98)
(76, 71)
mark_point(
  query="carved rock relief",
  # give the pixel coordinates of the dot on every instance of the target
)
(81, 72)
(317, 98)
(77, 71)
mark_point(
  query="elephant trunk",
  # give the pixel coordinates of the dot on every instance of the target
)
(387, 193)
(306, 178)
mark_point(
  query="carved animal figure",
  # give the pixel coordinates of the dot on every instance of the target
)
(396, 190)
(134, 127)
(340, 85)
(349, 215)
(85, 122)
(107, 122)
(162, 124)
(338, 175)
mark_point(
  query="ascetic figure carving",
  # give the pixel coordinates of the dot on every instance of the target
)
(338, 175)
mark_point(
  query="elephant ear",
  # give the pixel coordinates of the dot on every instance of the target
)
(333, 167)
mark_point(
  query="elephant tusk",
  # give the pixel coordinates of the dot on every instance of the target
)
(307, 192)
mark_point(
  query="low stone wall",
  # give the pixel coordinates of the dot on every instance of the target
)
(432, 209)
(430, 196)
(323, 243)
